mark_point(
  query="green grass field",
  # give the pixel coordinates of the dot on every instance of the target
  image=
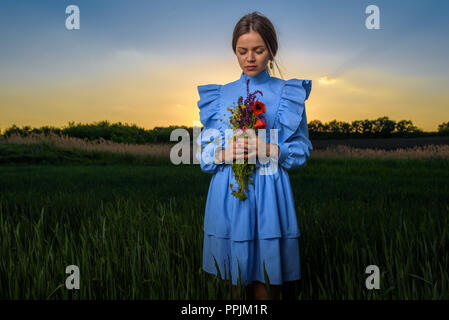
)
(135, 229)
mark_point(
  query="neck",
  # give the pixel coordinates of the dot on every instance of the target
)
(259, 78)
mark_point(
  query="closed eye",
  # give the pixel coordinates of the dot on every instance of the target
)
(260, 52)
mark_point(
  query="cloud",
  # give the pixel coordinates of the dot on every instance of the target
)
(327, 80)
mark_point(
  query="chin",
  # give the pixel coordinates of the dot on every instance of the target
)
(251, 72)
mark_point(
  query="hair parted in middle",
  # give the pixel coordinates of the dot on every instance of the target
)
(259, 23)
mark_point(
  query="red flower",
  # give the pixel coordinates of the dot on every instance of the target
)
(244, 128)
(258, 107)
(260, 124)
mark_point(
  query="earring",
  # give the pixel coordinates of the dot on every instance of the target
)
(271, 64)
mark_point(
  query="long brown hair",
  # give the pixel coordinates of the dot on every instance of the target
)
(259, 23)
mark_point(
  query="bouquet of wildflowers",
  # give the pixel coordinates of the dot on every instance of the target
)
(246, 115)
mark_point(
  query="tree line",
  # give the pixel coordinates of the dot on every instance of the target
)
(120, 132)
(381, 127)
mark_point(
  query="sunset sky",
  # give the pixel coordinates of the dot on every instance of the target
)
(140, 62)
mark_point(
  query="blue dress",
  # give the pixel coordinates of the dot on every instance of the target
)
(261, 230)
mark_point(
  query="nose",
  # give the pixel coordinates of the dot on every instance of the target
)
(251, 57)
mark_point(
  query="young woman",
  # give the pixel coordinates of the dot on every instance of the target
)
(244, 237)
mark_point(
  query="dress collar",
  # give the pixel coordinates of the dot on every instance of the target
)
(259, 78)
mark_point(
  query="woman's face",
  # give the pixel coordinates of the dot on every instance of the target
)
(252, 51)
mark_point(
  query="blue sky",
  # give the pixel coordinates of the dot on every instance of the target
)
(140, 61)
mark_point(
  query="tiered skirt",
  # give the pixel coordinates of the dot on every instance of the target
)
(279, 256)
(260, 232)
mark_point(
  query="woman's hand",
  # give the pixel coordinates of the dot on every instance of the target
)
(246, 147)
(253, 144)
(271, 150)
(236, 149)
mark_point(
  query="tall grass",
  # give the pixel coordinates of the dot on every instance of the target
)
(99, 145)
(136, 231)
(431, 151)
(418, 152)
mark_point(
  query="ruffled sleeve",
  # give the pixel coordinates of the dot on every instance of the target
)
(211, 136)
(291, 122)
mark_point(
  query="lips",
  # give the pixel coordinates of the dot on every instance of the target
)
(250, 67)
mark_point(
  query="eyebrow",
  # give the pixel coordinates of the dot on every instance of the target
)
(253, 48)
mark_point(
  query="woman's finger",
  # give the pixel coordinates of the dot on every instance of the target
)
(242, 146)
(241, 140)
(252, 140)
(251, 155)
(238, 132)
(252, 143)
(240, 156)
(251, 133)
